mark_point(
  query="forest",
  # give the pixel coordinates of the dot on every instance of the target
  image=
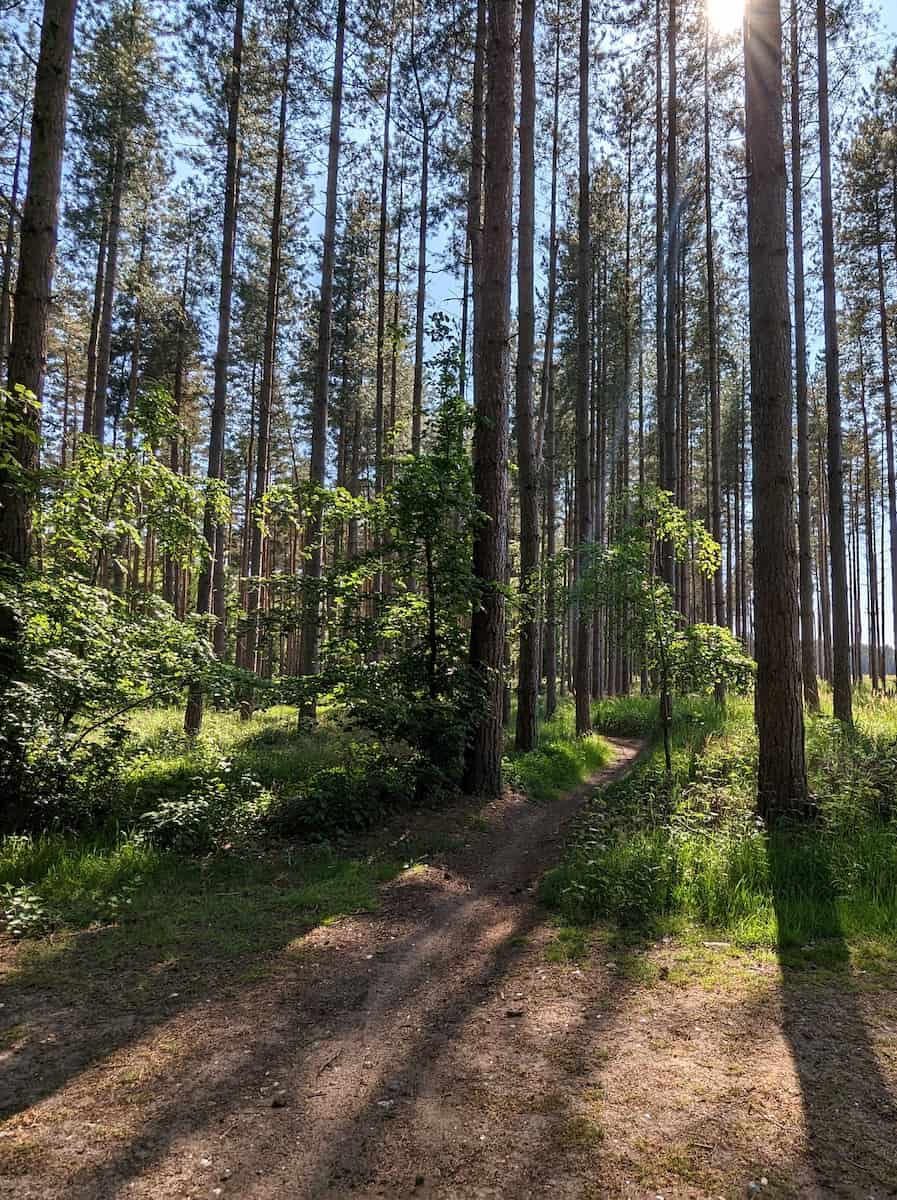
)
(448, 598)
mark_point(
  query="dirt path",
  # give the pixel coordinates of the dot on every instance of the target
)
(439, 1049)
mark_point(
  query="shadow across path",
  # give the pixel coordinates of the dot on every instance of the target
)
(849, 1108)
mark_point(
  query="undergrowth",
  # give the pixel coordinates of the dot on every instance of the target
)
(257, 801)
(691, 846)
(560, 763)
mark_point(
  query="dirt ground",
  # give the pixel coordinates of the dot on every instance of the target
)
(456, 1043)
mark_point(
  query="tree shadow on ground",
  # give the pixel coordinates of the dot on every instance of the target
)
(352, 1027)
(850, 1110)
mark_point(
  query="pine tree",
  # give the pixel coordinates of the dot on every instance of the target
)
(781, 778)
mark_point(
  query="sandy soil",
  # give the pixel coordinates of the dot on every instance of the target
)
(438, 1048)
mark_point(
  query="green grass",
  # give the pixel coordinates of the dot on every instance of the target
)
(144, 902)
(562, 761)
(626, 716)
(690, 847)
(267, 748)
(247, 892)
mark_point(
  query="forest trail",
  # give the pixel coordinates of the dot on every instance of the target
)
(442, 1047)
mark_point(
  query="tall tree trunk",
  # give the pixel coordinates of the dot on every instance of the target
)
(583, 656)
(269, 354)
(804, 537)
(825, 601)
(396, 314)
(669, 458)
(9, 246)
(380, 382)
(475, 179)
(659, 250)
(417, 391)
(177, 455)
(34, 282)
(781, 780)
(528, 666)
(210, 585)
(110, 278)
(843, 704)
(311, 630)
(716, 516)
(492, 300)
(889, 429)
(548, 404)
(871, 551)
(90, 376)
(28, 348)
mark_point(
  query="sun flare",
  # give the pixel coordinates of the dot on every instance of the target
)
(725, 16)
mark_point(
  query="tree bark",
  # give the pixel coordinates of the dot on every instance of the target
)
(28, 348)
(9, 247)
(669, 458)
(843, 702)
(110, 278)
(492, 302)
(716, 516)
(528, 666)
(380, 383)
(804, 536)
(311, 631)
(90, 376)
(582, 664)
(781, 781)
(34, 283)
(889, 434)
(269, 354)
(210, 585)
(660, 378)
(550, 655)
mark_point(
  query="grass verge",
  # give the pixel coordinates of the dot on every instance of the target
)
(562, 761)
(690, 846)
(219, 885)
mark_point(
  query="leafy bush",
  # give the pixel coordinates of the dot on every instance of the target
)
(218, 811)
(85, 660)
(26, 913)
(705, 657)
(393, 699)
(352, 797)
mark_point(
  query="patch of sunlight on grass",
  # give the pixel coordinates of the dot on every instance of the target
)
(569, 945)
(561, 762)
(213, 911)
(655, 847)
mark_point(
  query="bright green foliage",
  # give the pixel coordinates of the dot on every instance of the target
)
(627, 716)
(560, 763)
(15, 424)
(623, 574)
(693, 847)
(84, 656)
(89, 657)
(704, 658)
(110, 500)
(351, 797)
(152, 902)
(402, 672)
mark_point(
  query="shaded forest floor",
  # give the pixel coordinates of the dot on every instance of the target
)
(455, 1041)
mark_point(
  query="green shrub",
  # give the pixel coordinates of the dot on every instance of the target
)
(217, 811)
(353, 797)
(26, 913)
(627, 716)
